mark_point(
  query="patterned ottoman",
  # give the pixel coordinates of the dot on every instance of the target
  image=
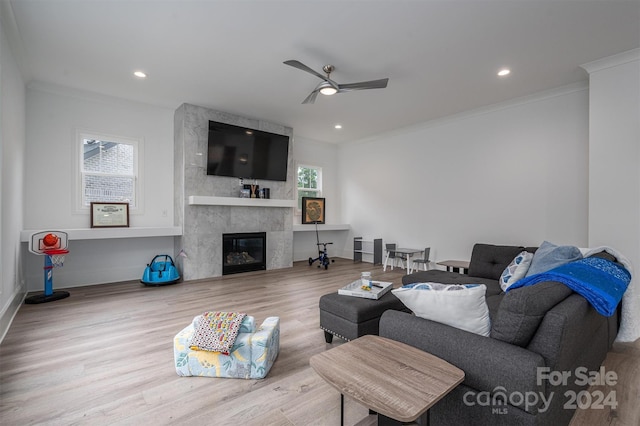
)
(251, 357)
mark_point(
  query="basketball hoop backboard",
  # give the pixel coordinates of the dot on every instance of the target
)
(48, 240)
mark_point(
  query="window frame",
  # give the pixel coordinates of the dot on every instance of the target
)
(137, 206)
(318, 191)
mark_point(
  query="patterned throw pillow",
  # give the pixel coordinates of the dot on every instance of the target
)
(516, 270)
(460, 306)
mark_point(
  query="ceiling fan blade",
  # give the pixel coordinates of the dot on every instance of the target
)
(303, 67)
(373, 84)
(311, 98)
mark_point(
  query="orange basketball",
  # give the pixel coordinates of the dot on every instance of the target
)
(50, 240)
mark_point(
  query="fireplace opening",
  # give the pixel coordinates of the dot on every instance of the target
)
(244, 252)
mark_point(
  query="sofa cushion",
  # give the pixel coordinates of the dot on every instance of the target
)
(549, 256)
(521, 312)
(489, 261)
(460, 306)
(516, 270)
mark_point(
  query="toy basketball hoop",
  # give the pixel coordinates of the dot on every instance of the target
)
(53, 246)
(57, 257)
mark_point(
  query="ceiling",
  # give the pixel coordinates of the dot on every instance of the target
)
(441, 57)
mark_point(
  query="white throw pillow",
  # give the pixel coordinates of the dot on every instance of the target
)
(516, 270)
(460, 306)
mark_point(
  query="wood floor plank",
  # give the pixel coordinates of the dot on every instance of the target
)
(104, 356)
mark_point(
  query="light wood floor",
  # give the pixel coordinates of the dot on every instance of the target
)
(105, 356)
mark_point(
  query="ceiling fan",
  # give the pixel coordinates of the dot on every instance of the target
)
(330, 87)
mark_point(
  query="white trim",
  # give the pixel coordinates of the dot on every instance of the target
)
(203, 200)
(318, 190)
(108, 233)
(138, 168)
(321, 227)
(88, 95)
(512, 103)
(612, 61)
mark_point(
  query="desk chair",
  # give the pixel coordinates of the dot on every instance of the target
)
(425, 260)
(392, 256)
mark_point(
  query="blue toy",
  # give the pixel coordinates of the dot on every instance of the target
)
(160, 272)
(323, 257)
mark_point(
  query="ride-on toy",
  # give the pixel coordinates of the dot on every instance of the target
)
(160, 271)
(323, 257)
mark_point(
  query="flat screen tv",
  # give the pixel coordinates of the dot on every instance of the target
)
(246, 153)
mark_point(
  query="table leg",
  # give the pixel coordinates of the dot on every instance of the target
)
(423, 420)
(341, 410)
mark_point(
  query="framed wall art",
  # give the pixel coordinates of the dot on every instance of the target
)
(313, 210)
(109, 215)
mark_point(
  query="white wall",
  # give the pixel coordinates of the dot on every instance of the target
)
(515, 173)
(314, 153)
(12, 151)
(614, 175)
(54, 115)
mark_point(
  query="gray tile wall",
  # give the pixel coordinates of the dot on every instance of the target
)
(203, 226)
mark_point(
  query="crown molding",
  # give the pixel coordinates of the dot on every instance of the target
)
(612, 61)
(487, 109)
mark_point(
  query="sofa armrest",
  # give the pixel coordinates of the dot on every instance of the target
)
(488, 364)
(265, 344)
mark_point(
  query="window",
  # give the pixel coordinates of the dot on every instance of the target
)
(108, 168)
(309, 182)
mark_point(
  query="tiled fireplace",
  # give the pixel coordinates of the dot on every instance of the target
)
(244, 252)
(204, 225)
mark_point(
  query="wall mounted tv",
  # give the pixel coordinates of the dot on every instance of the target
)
(246, 153)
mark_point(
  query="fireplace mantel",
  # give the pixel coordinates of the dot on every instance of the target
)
(201, 200)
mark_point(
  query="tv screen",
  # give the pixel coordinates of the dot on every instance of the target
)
(246, 153)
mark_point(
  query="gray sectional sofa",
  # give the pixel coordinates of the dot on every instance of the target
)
(537, 333)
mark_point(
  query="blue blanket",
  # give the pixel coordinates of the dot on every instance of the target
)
(600, 281)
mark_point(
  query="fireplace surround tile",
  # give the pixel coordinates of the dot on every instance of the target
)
(203, 226)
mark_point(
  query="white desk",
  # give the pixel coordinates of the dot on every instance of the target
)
(408, 251)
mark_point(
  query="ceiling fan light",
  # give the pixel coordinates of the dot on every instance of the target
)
(329, 90)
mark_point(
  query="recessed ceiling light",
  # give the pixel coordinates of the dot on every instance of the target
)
(338, 126)
(504, 72)
(140, 74)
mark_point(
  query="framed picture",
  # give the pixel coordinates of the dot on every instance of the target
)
(312, 210)
(109, 215)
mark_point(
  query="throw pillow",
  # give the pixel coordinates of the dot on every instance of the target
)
(516, 270)
(549, 256)
(460, 306)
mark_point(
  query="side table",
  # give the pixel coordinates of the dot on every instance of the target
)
(397, 381)
(455, 265)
